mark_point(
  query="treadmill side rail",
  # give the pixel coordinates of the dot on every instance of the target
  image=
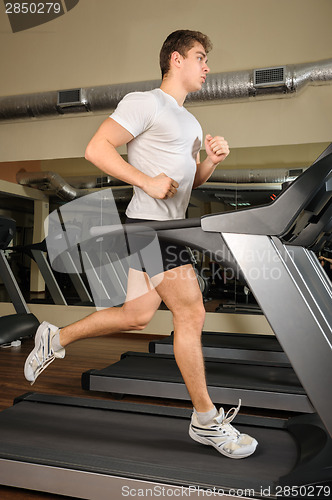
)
(107, 460)
(82, 484)
(296, 307)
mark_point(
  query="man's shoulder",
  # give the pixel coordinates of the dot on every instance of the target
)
(145, 96)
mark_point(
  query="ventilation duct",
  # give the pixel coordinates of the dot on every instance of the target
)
(93, 182)
(255, 176)
(64, 189)
(241, 86)
(263, 83)
(72, 101)
(269, 77)
(51, 181)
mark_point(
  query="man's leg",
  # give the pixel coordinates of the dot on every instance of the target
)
(141, 303)
(180, 292)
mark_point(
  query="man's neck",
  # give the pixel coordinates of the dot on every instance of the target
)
(174, 89)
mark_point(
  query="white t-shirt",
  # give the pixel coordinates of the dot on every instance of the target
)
(167, 138)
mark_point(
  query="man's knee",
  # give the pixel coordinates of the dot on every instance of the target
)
(192, 313)
(136, 320)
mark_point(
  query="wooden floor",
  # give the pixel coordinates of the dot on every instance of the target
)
(63, 377)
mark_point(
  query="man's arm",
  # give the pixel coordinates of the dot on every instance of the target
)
(217, 150)
(321, 258)
(101, 151)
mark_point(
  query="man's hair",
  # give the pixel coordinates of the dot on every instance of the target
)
(181, 41)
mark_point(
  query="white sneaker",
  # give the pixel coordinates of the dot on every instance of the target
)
(42, 354)
(222, 435)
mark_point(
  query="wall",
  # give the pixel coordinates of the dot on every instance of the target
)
(8, 170)
(103, 42)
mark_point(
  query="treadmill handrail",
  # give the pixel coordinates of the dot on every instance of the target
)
(304, 202)
(288, 214)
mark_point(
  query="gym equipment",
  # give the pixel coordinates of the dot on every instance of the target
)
(238, 308)
(17, 326)
(23, 324)
(87, 448)
(7, 231)
(274, 247)
(252, 347)
(95, 449)
(258, 384)
(37, 251)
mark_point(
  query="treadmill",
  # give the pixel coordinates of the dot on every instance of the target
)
(274, 248)
(37, 251)
(22, 324)
(97, 449)
(259, 384)
(253, 347)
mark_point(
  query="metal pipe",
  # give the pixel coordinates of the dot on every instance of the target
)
(123, 192)
(220, 87)
(50, 180)
(267, 175)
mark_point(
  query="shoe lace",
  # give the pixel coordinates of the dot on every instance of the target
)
(224, 421)
(227, 419)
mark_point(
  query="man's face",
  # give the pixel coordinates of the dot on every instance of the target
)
(194, 68)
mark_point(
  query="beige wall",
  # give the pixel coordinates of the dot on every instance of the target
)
(103, 42)
(107, 41)
(8, 170)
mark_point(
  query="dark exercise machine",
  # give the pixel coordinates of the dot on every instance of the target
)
(98, 449)
(258, 384)
(37, 252)
(251, 347)
(23, 324)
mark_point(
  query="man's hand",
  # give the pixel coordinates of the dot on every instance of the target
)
(216, 148)
(160, 187)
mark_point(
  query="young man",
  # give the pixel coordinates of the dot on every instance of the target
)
(163, 165)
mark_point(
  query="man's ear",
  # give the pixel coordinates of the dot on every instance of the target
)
(176, 59)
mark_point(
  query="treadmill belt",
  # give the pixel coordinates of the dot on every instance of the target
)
(233, 341)
(132, 444)
(246, 375)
